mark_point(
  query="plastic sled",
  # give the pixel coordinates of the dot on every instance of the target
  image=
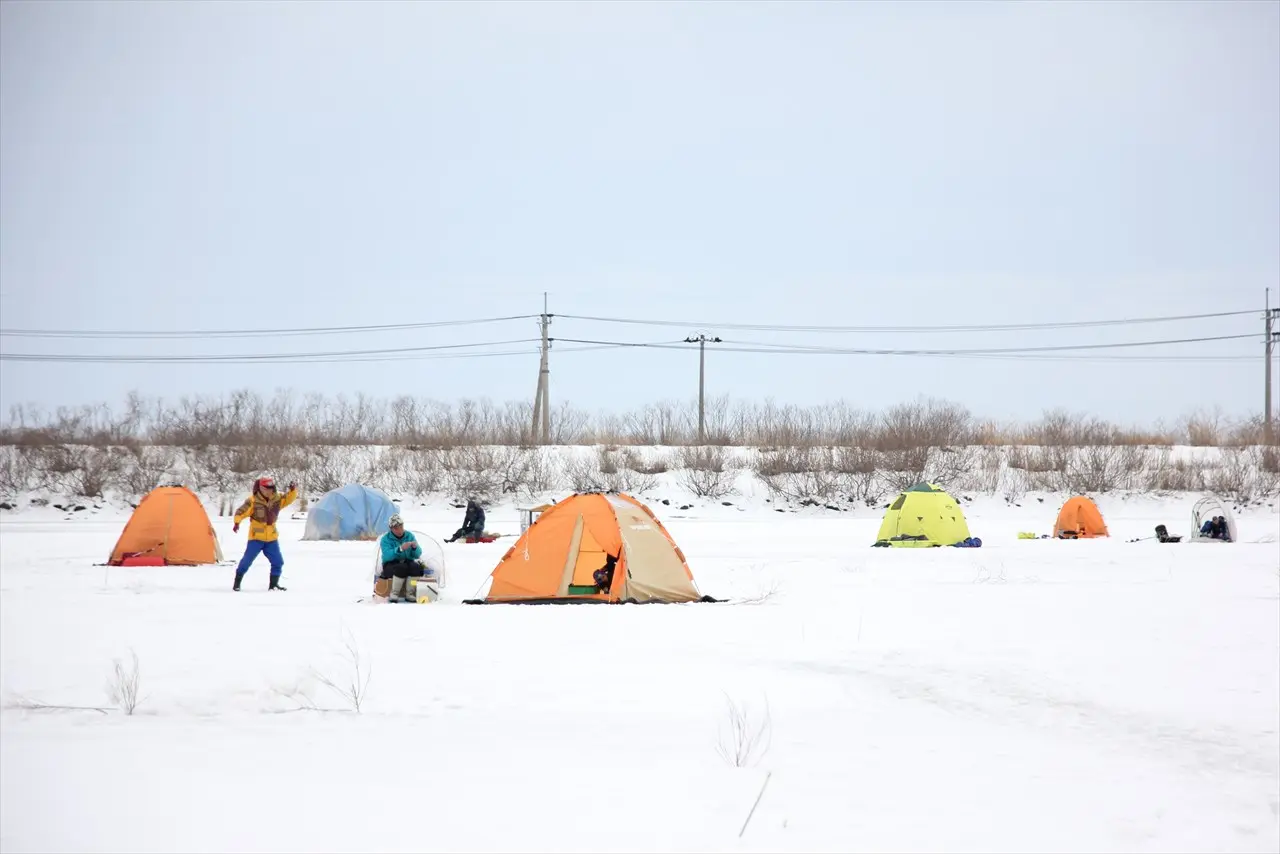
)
(142, 560)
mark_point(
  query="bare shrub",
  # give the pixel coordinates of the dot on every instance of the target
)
(542, 474)
(743, 738)
(1240, 475)
(1248, 432)
(246, 419)
(607, 471)
(1016, 484)
(569, 426)
(124, 687)
(903, 468)
(1164, 474)
(658, 462)
(1059, 428)
(785, 460)
(329, 467)
(1204, 429)
(802, 474)
(1052, 459)
(631, 482)
(416, 471)
(585, 475)
(96, 470)
(352, 683)
(983, 471)
(704, 473)
(145, 468)
(56, 465)
(383, 470)
(856, 472)
(251, 460)
(910, 427)
(950, 464)
(512, 465)
(1103, 468)
(662, 423)
(472, 472)
(18, 469)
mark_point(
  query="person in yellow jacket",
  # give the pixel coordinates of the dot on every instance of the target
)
(262, 508)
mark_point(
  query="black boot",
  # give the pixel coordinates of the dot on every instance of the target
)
(239, 576)
(275, 583)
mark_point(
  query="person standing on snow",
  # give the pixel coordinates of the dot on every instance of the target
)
(401, 556)
(263, 507)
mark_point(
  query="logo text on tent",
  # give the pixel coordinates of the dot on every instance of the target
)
(642, 527)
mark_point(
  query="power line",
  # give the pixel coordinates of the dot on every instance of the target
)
(587, 344)
(1006, 327)
(765, 347)
(1039, 357)
(387, 356)
(797, 349)
(241, 358)
(246, 333)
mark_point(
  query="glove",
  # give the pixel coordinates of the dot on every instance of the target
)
(235, 529)
(293, 484)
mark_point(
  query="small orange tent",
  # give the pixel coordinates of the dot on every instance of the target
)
(169, 526)
(1079, 518)
(556, 558)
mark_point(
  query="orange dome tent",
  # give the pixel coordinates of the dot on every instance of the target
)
(1079, 518)
(169, 526)
(556, 559)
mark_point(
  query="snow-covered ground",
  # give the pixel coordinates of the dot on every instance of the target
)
(1030, 695)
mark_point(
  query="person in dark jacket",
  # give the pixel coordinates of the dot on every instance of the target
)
(603, 577)
(472, 523)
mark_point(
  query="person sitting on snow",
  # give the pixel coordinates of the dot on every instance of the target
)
(603, 577)
(401, 558)
(262, 508)
(472, 523)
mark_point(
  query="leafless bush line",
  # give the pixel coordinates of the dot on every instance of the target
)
(248, 420)
(806, 474)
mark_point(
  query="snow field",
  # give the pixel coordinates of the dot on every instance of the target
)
(1025, 696)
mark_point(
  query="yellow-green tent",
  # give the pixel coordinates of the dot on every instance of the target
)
(925, 515)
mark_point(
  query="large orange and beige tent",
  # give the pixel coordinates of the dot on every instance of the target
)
(169, 526)
(556, 559)
(1081, 519)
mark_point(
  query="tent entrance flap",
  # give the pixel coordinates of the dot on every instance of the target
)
(571, 558)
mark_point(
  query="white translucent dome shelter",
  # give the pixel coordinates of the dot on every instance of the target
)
(1206, 508)
(432, 558)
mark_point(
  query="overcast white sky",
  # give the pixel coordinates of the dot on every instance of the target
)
(257, 166)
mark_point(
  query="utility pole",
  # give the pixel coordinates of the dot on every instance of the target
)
(1272, 337)
(701, 340)
(541, 431)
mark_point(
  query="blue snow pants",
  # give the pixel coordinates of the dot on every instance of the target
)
(255, 547)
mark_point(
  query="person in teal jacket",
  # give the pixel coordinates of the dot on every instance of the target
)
(401, 557)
